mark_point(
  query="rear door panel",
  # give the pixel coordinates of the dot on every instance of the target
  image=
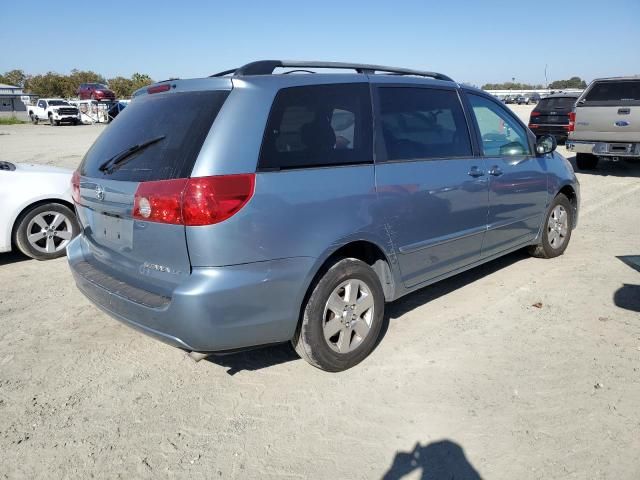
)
(137, 252)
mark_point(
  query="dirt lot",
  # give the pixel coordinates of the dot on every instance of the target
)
(523, 368)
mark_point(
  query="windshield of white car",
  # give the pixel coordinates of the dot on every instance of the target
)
(55, 103)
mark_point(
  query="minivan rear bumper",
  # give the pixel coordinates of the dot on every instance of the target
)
(604, 149)
(216, 309)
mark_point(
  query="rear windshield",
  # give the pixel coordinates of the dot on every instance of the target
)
(614, 92)
(558, 103)
(184, 119)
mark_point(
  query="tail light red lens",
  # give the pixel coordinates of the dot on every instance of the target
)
(159, 88)
(572, 121)
(535, 114)
(193, 201)
(160, 201)
(75, 187)
(533, 125)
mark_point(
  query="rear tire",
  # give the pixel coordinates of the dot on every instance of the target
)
(586, 161)
(34, 119)
(556, 229)
(46, 243)
(342, 317)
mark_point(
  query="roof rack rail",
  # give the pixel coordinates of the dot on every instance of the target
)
(266, 67)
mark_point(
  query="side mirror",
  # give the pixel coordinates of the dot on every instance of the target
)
(546, 144)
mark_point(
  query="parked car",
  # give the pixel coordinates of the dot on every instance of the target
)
(95, 91)
(37, 215)
(267, 220)
(55, 110)
(115, 110)
(606, 122)
(534, 97)
(509, 99)
(551, 116)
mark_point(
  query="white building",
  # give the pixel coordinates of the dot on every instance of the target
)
(11, 103)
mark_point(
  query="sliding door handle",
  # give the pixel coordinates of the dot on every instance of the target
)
(495, 171)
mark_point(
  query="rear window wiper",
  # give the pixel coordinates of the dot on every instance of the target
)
(119, 158)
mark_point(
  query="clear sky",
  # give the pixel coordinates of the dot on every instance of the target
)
(471, 41)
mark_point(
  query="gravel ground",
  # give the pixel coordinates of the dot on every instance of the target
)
(522, 368)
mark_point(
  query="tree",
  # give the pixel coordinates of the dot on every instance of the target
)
(124, 87)
(50, 84)
(510, 86)
(14, 77)
(573, 82)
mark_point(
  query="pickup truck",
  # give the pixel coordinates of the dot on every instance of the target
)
(55, 110)
(605, 122)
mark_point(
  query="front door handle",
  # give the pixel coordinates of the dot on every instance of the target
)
(475, 172)
(495, 171)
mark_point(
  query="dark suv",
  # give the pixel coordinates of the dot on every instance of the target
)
(95, 91)
(551, 116)
(251, 208)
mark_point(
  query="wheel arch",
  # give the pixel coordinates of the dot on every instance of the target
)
(568, 191)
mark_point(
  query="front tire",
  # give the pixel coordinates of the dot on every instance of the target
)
(44, 231)
(342, 317)
(586, 161)
(556, 230)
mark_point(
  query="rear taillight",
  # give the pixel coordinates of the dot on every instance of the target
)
(572, 121)
(535, 114)
(159, 88)
(533, 125)
(193, 201)
(75, 187)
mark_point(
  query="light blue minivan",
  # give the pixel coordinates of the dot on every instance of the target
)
(274, 203)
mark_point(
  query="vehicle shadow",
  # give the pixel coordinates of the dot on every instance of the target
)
(608, 168)
(423, 296)
(437, 460)
(264, 357)
(255, 359)
(12, 257)
(628, 296)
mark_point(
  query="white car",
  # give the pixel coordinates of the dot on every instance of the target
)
(37, 214)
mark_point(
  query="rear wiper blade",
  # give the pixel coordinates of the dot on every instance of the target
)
(119, 158)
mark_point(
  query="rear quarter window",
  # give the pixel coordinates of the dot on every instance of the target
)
(619, 92)
(318, 125)
(559, 103)
(183, 118)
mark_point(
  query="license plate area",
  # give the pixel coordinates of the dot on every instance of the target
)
(113, 230)
(620, 147)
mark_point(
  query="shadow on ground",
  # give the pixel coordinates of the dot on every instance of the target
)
(12, 257)
(255, 359)
(436, 461)
(628, 296)
(606, 168)
(421, 297)
(265, 357)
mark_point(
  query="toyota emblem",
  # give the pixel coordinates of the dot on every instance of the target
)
(100, 192)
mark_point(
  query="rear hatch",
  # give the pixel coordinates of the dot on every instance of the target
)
(552, 115)
(609, 111)
(157, 137)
